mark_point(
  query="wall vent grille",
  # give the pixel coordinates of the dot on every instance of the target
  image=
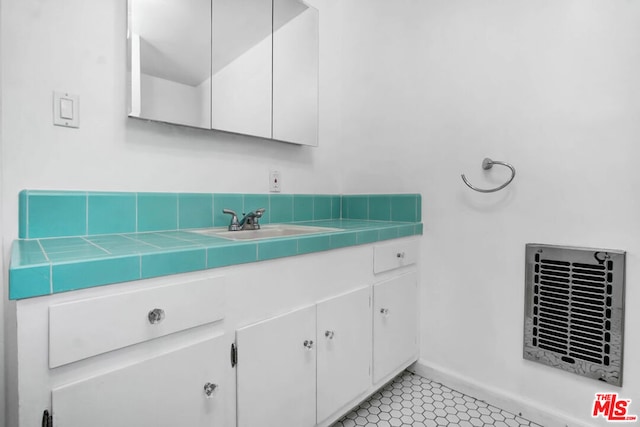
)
(574, 310)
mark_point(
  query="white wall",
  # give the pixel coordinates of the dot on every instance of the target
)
(430, 88)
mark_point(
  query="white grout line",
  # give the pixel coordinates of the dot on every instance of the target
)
(368, 208)
(213, 212)
(177, 211)
(27, 209)
(86, 213)
(43, 251)
(269, 207)
(96, 245)
(140, 241)
(50, 266)
(136, 212)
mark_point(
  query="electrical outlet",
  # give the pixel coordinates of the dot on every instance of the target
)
(275, 181)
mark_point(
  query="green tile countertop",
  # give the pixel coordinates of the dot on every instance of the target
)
(58, 264)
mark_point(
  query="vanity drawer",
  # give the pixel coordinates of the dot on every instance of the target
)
(88, 327)
(392, 255)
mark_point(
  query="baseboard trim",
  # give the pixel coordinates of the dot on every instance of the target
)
(539, 414)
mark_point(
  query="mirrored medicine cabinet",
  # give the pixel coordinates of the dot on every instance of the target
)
(241, 66)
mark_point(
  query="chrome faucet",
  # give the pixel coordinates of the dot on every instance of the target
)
(248, 222)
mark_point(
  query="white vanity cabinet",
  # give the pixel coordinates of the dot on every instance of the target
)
(155, 354)
(395, 307)
(315, 334)
(276, 371)
(395, 324)
(182, 387)
(344, 350)
(299, 368)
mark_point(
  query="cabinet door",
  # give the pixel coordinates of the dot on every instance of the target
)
(395, 324)
(276, 371)
(344, 350)
(167, 390)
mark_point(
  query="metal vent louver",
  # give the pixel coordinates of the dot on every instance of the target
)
(574, 310)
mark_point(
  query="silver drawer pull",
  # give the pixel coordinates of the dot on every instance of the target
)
(384, 311)
(329, 334)
(308, 344)
(400, 255)
(156, 316)
(209, 388)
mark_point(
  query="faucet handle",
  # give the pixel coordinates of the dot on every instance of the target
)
(235, 224)
(257, 215)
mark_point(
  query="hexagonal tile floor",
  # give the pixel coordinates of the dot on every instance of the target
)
(410, 400)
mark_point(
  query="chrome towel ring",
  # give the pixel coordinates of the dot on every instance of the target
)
(487, 164)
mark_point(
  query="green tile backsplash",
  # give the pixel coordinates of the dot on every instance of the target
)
(303, 207)
(355, 207)
(195, 210)
(110, 213)
(157, 211)
(74, 213)
(322, 207)
(281, 208)
(23, 211)
(52, 213)
(383, 207)
(380, 208)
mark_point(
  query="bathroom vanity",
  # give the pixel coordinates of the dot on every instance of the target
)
(295, 341)
(146, 309)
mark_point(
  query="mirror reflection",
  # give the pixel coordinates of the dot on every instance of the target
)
(295, 72)
(242, 66)
(170, 61)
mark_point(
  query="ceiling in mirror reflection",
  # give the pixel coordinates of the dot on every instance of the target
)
(240, 25)
(175, 38)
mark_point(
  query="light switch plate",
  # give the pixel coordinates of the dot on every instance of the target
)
(66, 110)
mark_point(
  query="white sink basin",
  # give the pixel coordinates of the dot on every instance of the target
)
(267, 232)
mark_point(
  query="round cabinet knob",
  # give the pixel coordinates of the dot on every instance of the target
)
(400, 255)
(329, 334)
(308, 344)
(384, 311)
(156, 316)
(209, 388)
